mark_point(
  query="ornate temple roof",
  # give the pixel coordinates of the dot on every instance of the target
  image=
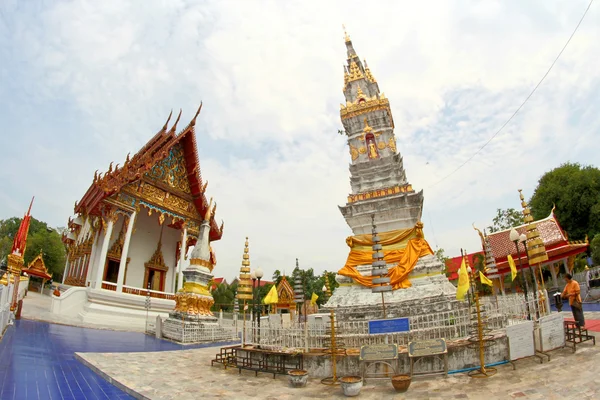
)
(285, 291)
(142, 167)
(37, 267)
(555, 240)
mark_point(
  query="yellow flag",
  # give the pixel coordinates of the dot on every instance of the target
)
(484, 279)
(313, 299)
(463, 281)
(272, 297)
(513, 268)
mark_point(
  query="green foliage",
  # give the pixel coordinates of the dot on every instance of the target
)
(506, 219)
(41, 238)
(440, 254)
(277, 277)
(595, 249)
(575, 190)
(478, 262)
(223, 297)
(580, 263)
(314, 284)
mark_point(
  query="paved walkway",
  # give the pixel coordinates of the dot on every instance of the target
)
(37, 360)
(188, 375)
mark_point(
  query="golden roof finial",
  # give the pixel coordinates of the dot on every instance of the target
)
(346, 37)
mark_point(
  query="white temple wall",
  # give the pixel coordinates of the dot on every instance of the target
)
(143, 244)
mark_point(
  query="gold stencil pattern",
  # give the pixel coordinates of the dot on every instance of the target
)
(171, 170)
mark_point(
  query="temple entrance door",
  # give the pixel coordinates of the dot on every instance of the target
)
(155, 278)
(111, 271)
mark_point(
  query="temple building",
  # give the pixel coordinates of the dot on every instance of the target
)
(133, 227)
(380, 189)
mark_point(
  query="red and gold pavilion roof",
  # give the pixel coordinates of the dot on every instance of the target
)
(554, 237)
(38, 268)
(140, 168)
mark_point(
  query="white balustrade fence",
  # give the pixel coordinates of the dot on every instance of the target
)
(6, 295)
(498, 313)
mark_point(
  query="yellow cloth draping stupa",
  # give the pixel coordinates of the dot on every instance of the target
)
(401, 247)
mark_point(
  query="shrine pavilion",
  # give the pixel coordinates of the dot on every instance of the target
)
(560, 250)
(37, 269)
(133, 229)
(285, 295)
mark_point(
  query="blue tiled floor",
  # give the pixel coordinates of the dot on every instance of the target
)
(37, 360)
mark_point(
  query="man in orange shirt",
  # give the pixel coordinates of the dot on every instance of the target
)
(572, 292)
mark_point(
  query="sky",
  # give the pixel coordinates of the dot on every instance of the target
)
(83, 83)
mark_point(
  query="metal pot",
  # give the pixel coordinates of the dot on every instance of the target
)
(298, 377)
(351, 385)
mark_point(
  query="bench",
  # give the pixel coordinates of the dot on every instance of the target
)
(258, 360)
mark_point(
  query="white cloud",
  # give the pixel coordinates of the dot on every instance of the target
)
(105, 74)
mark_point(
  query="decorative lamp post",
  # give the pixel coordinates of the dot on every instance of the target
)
(515, 238)
(259, 274)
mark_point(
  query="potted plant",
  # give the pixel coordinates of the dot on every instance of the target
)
(351, 385)
(298, 377)
(401, 382)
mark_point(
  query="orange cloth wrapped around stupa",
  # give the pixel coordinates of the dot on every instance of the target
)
(400, 247)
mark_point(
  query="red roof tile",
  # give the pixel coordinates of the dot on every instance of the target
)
(554, 237)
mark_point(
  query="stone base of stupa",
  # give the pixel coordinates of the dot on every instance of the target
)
(187, 328)
(431, 292)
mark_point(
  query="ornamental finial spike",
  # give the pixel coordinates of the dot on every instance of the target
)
(208, 210)
(196, 116)
(167, 123)
(346, 37)
(174, 127)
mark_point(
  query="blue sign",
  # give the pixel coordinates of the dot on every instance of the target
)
(389, 325)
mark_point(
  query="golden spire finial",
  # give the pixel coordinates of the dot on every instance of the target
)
(346, 37)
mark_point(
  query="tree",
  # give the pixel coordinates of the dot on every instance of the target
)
(595, 249)
(223, 297)
(575, 190)
(440, 254)
(277, 277)
(41, 238)
(506, 219)
(478, 262)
